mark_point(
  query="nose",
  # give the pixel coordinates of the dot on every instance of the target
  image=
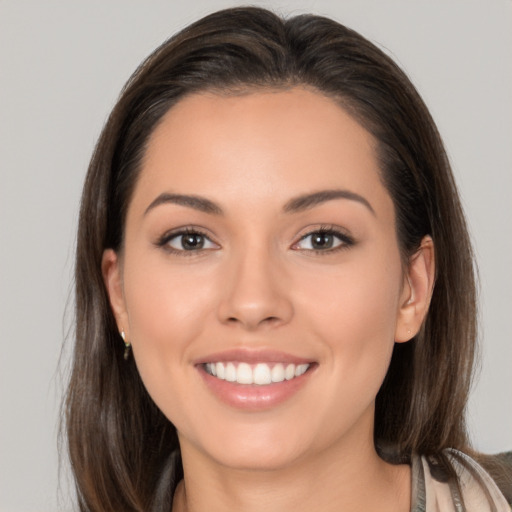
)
(256, 293)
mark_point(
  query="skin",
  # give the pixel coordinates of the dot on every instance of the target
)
(257, 284)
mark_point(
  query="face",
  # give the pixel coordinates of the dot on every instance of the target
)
(260, 281)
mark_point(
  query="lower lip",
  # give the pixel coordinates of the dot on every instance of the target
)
(252, 397)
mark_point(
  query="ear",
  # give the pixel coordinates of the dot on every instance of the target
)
(416, 291)
(111, 270)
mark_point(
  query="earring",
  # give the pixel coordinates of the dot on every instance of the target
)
(127, 346)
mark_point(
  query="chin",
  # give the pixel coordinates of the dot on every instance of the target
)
(252, 447)
(248, 458)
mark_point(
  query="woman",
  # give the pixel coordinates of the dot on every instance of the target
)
(274, 285)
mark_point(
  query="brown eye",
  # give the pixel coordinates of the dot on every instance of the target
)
(323, 241)
(189, 241)
(192, 241)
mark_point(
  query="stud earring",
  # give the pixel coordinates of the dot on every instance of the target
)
(127, 346)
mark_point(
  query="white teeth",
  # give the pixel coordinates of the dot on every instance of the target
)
(260, 374)
(244, 374)
(278, 373)
(219, 367)
(301, 369)
(289, 373)
(211, 368)
(230, 373)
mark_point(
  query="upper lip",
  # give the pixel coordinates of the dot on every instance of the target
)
(244, 355)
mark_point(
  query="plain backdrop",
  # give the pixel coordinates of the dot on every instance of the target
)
(62, 65)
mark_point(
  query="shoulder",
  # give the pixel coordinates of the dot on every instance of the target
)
(453, 481)
(499, 468)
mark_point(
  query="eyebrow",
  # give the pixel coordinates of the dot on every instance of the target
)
(294, 205)
(197, 203)
(307, 201)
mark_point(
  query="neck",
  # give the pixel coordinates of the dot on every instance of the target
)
(346, 477)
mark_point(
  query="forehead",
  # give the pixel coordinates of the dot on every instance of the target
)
(258, 145)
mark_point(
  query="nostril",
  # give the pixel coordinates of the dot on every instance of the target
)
(267, 320)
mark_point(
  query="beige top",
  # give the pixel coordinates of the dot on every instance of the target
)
(434, 491)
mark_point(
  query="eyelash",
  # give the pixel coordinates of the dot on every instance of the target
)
(345, 240)
(164, 240)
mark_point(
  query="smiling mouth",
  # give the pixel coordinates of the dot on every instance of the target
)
(260, 374)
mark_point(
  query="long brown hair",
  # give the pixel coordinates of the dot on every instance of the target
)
(124, 452)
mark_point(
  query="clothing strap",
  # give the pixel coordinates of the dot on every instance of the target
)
(473, 490)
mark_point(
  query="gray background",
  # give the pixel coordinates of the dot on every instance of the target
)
(62, 65)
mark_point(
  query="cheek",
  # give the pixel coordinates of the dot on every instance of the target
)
(167, 310)
(354, 311)
(165, 303)
(361, 295)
